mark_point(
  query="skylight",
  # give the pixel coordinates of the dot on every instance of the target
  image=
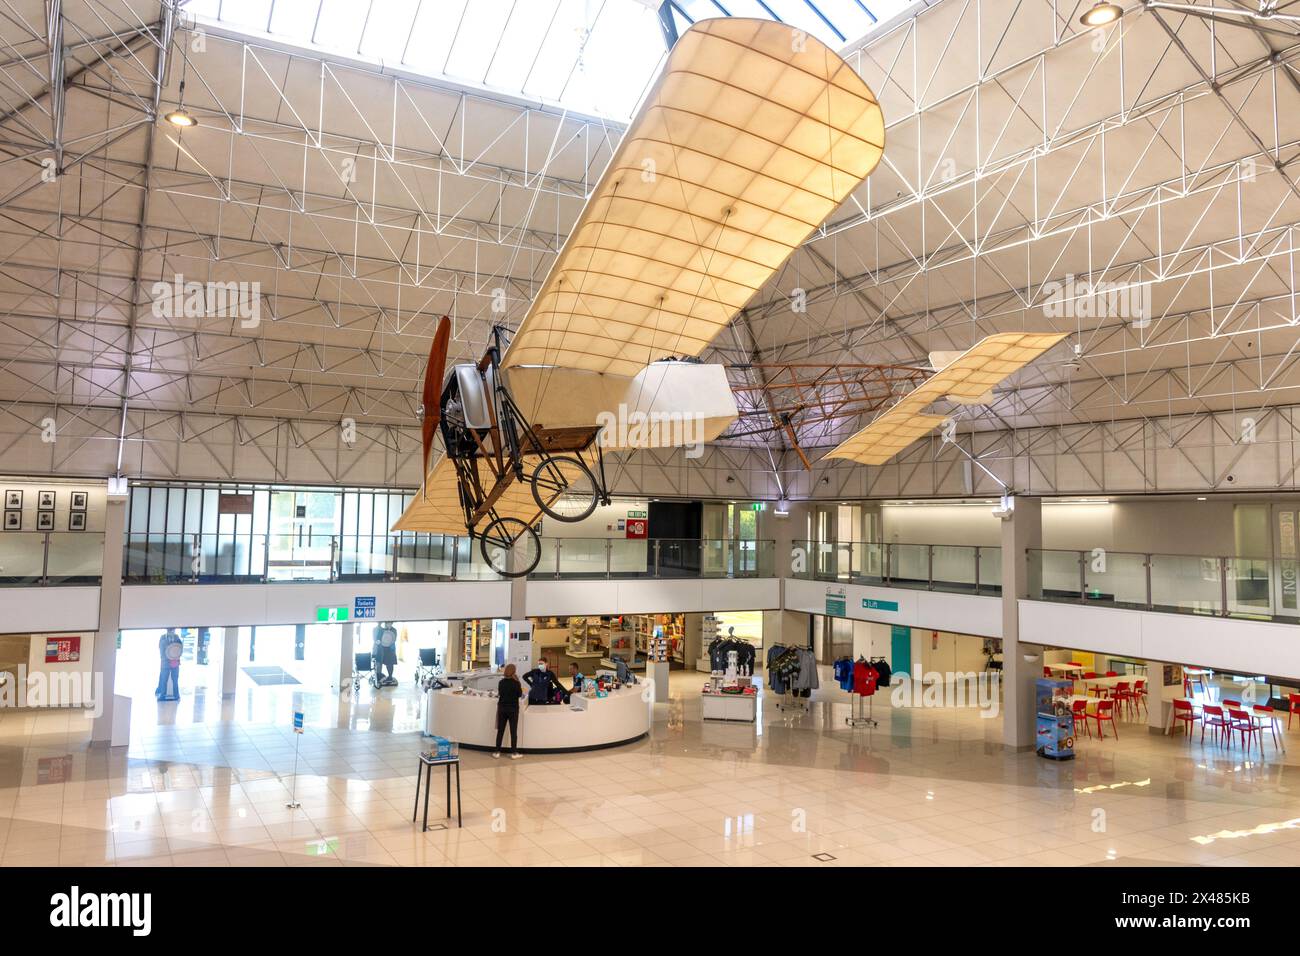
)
(595, 57)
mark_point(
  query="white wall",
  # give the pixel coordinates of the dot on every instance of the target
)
(964, 613)
(588, 553)
(20, 552)
(1169, 526)
(227, 605)
(35, 610)
(656, 596)
(1244, 647)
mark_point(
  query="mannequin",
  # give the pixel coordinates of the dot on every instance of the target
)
(170, 647)
(385, 653)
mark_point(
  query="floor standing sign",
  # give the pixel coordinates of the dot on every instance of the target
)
(293, 803)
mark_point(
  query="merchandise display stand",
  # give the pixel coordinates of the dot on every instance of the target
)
(743, 708)
(856, 716)
(789, 701)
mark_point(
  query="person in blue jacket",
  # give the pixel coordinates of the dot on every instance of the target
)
(543, 686)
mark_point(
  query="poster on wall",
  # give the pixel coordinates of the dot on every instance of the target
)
(62, 650)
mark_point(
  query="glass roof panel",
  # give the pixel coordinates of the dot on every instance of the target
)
(591, 56)
(294, 19)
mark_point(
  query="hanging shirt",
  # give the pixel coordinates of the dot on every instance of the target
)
(864, 679)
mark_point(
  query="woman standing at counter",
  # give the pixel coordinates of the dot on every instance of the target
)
(509, 690)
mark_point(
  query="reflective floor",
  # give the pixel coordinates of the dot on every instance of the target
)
(205, 783)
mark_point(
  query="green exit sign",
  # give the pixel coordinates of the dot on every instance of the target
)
(332, 615)
(756, 506)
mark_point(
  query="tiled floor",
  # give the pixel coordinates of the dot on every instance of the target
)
(205, 783)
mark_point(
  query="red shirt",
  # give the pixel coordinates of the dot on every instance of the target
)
(864, 679)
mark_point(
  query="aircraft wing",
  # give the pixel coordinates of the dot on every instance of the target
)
(752, 135)
(964, 380)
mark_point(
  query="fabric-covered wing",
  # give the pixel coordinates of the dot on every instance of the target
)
(753, 134)
(436, 506)
(964, 381)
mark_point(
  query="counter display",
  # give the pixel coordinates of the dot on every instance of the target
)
(587, 723)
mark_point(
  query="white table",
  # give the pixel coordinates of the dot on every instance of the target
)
(1066, 668)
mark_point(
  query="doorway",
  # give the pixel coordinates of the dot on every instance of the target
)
(300, 545)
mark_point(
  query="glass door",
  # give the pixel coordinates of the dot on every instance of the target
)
(300, 546)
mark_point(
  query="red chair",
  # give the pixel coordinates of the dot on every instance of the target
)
(1105, 713)
(1079, 709)
(1230, 703)
(1112, 673)
(1047, 671)
(1215, 718)
(1265, 716)
(1123, 695)
(1185, 712)
(1140, 694)
(1242, 722)
(1293, 710)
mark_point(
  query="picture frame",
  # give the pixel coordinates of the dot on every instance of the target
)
(14, 499)
(45, 500)
(80, 499)
(76, 521)
(45, 521)
(13, 521)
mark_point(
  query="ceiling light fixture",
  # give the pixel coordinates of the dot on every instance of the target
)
(181, 117)
(1102, 13)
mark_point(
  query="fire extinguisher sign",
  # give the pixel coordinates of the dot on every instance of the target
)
(637, 527)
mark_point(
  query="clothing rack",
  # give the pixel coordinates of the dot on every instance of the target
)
(856, 716)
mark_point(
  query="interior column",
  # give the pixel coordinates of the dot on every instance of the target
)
(1022, 529)
(229, 662)
(104, 656)
(347, 643)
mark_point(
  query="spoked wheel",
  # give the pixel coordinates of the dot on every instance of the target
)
(564, 488)
(510, 547)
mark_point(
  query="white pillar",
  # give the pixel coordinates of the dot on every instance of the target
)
(104, 656)
(1022, 530)
(229, 662)
(347, 643)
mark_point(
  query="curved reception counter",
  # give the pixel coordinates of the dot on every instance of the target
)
(587, 723)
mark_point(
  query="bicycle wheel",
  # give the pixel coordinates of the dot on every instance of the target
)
(510, 547)
(564, 488)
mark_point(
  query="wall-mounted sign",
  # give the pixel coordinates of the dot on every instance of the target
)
(636, 514)
(62, 650)
(638, 528)
(331, 615)
(836, 604)
(871, 604)
(363, 607)
(235, 504)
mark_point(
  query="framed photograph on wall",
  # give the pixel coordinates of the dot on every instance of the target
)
(45, 521)
(45, 501)
(14, 500)
(79, 500)
(13, 521)
(76, 521)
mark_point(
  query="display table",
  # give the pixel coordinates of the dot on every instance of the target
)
(739, 707)
(586, 724)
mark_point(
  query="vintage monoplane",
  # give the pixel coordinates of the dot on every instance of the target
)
(751, 136)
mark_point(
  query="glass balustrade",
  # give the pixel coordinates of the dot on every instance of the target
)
(1242, 587)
